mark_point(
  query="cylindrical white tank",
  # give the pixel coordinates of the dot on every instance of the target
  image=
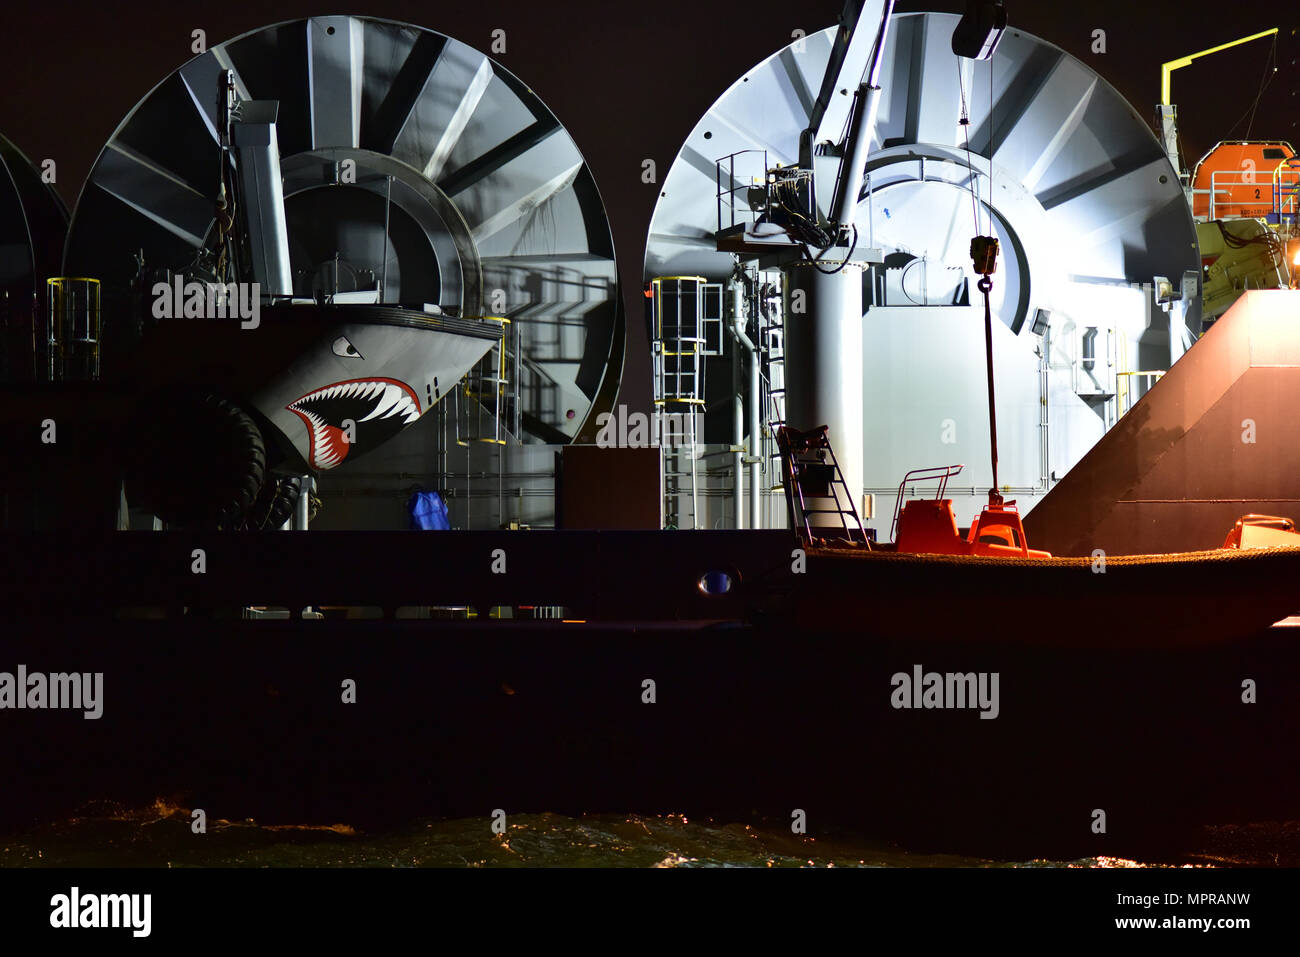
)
(823, 363)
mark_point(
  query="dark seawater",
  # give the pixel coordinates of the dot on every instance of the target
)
(160, 836)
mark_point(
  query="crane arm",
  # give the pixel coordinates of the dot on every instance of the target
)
(850, 56)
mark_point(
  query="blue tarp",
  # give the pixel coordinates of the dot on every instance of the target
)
(428, 511)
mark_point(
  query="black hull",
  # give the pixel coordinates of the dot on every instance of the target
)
(777, 696)
(244, 719)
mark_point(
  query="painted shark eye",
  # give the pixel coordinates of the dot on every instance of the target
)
(346, 349)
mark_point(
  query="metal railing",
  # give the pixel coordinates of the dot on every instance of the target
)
(727, 195)
(678, 348)
(1279, 193)
(73, 329)
(938, 472)
(1126, 397)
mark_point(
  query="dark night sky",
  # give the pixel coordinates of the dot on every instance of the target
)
(627, 79)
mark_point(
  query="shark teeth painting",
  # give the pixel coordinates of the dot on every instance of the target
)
(357, 412)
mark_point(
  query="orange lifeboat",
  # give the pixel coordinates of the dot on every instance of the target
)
(1244, 179)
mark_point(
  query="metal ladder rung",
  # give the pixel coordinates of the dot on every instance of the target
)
(821, 455)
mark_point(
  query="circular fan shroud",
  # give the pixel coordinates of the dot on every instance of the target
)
(517, 226)
(33, 220)
(1080, 191)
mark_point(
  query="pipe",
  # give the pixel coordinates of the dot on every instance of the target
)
(823, 366)
(755, 397)
(1177, 323)
(1045, 402)
(737, 440)
(738, 333)
(303, 505)
(388, 208)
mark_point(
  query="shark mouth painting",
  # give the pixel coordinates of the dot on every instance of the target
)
(358, 412)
